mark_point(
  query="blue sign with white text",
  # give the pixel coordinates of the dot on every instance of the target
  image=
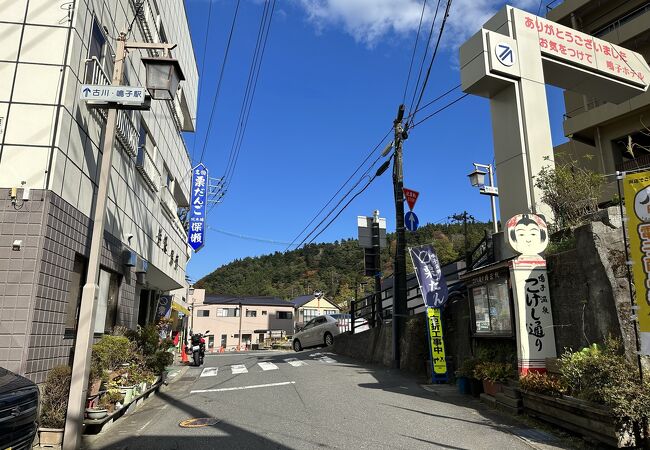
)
(196, 235)
(430, 277)
(411, 221)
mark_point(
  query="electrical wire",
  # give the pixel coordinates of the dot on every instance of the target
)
(249, 238)
(216, 95)
(415, 47)
(438, 111)
(433, 57)
(441, 96)
(341, 188)
(424, 56)
(205, 48)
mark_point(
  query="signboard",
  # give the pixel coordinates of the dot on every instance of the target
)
(411, 197)
(580, 49)
(505, 54)
(436, 346)
(364, 226)
(637, 205)
(430, 277)
(115, 94)
(528, 235)
(163, 311)
(411, 221)
(197, 215)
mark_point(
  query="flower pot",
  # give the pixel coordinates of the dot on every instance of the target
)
(50, 436)
(463, 385)
(475, 387)
(127, 391)
(491, 387)
(143, 387)
(96, 413)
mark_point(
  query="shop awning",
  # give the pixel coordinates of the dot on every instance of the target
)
(180, 306)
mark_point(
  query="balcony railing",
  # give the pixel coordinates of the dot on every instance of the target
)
(641, 162)
(146, 166)
(126, 132)
(171, 209)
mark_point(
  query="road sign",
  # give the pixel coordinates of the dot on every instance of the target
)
(364, 225)
(112, 94)
(490, 190)
(196, 235)
(411, 221)
(411, 197)
(505, 54)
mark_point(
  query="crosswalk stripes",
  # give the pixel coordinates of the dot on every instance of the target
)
(267, 366)
(325, 359)
(295, 362)
(238, 368)
(210, 372)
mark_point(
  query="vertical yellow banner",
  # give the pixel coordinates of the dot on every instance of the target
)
(636, 189)
(437, 345)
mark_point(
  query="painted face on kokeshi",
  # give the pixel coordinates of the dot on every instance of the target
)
(642, 204)
(527, 234)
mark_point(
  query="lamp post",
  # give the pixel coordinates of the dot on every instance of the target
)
(477, 179)
(163, 83)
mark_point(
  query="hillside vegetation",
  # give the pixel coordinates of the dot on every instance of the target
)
(333, 268)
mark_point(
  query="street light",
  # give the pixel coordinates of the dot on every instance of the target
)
(163, 84)
(477, 179)
(163, 77)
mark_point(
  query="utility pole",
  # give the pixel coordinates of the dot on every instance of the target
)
(399, 269)
(464, 217)
(240, 319)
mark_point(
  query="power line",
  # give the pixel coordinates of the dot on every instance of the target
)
(433, 57)
(434, 101)
(342, 186)
(424, 56)
(415, 47)
(249, 238)
(448, 105)
(205, 48)
(216, 95)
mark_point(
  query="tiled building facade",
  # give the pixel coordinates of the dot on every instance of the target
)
(50, 146)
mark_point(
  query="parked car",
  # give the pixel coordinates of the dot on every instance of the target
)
(344, 322)
(318, 331)
(18, 411)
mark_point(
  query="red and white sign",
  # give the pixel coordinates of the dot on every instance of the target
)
(411, 197)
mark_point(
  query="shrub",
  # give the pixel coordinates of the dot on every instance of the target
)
(54, 402)
(542, 383)
(112, 351)
(603, 375)
(467, 368)
(108, 399)
(493, 371)
(158, 361)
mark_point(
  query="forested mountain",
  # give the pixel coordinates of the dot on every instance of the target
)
(333, 268)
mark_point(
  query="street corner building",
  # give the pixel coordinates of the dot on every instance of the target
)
(50, 153)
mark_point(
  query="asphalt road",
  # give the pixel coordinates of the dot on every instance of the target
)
(307, 400)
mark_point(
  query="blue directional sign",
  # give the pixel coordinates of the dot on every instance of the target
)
(411, 221)
(196, 236)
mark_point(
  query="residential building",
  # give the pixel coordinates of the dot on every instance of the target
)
(309, 306)
(605, 137)
(239, 322)
(50, 153)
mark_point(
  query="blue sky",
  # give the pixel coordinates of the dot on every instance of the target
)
(333, 74)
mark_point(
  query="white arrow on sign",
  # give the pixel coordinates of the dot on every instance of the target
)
(130, 95)
(505, 54)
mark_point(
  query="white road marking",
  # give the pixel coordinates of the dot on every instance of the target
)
(210, 372)
(238, 368)
(285, 383)
(315, 354)
(295, 362)
(325, 359)
(267, 366)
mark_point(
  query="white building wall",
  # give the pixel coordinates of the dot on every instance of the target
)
(35, 33)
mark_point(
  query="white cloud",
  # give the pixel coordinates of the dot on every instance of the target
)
(370, 20)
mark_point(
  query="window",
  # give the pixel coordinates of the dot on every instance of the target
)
(228, 312)
(264, 313)
(284, 315)
(77, 279)
(251, 313)
(97, 53)
(330, 311)
(309, 313)
(491, 307)
(109, 289)
(202, 313)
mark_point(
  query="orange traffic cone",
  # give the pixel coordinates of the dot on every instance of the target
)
(184, 355)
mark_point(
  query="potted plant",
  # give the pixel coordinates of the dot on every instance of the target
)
(493, 374)
(465, 375)
(110, 399)
(54, 404)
